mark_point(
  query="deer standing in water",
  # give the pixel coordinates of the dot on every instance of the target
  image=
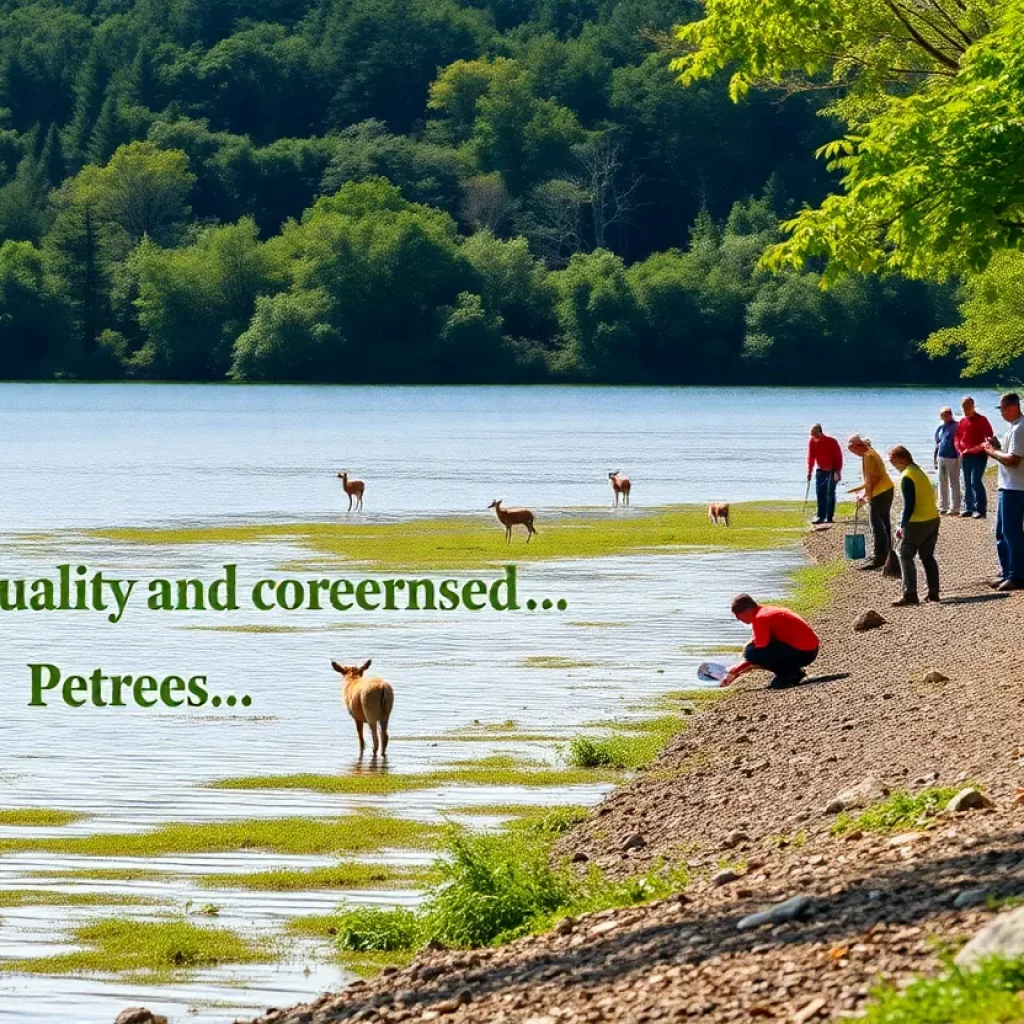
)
(620, 485)
(369, 702)
(354, 489)
(509, 517)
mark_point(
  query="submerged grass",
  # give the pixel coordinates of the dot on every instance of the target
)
(992, 994)
(347, 875)
(631, 745)
(38, 817)
(469, 542)
(489, 771)
(355, 833)
(812, 587)
(493, 888)
(50, 898)
(148, 951)
(898, 811)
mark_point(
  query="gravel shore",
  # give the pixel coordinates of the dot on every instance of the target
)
(932, 698)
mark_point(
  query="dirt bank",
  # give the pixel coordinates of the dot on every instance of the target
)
(746, 787)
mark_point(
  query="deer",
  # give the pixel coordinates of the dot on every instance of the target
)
(369, 702)
(620, 485)
(354, 489)
(509, 517)
(718, 512)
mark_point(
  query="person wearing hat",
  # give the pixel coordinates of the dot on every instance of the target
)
(1010, 511)
(919, 527)
(877, 491)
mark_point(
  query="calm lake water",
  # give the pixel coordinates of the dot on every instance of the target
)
(80, 456)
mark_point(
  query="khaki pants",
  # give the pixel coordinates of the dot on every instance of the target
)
(920, 539)
(949, 485)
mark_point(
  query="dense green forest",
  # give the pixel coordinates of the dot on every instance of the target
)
(413, 190)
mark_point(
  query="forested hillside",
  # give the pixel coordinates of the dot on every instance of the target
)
(412, 190)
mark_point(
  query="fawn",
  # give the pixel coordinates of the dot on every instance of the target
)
(620, 485)
(354, 489)
(369, 701)
(509, 517)
(718, 512)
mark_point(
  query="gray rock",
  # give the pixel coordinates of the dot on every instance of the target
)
(139, 1015)
(970, 898)
(1003, 936)
(869, 619)
(969, 799)
(725, 876)
(867, 791)
(635, 842)
(792, 909)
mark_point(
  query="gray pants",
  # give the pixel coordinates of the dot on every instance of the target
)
(920, 539)
(949, 485)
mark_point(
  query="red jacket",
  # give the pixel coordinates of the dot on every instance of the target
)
(824, 451)
(971, 432)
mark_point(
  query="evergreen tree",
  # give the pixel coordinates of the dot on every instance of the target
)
(51, 158)
(89, 98)
(105, 134)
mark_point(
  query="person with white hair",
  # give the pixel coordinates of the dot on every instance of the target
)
(877, 492)
(947, 462)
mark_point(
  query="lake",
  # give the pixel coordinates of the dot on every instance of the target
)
(82, 456)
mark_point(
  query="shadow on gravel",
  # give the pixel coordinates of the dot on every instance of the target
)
(975, 599)
(896, 895)
(813, 680)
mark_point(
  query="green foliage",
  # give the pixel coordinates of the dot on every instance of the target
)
(493, 888)
(634, 745)
(898, 811)
(992, 994)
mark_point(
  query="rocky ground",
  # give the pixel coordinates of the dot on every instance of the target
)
(933, 697)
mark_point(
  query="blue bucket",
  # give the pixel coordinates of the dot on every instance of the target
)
(855, 545)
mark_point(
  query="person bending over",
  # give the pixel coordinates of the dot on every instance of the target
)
(919, 527)
(782, 643)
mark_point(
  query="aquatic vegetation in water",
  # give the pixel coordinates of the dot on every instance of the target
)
(811, 587)
(38, 817)
(483, 772)
(345, 875)
(465, 542)
(52, 898)
(355, 833)
(630, 745)
(150, 952)
(555, 661)
(495, 887)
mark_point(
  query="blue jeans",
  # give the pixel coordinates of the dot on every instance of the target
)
(825, 489)
(1010, 534)
(975, 499)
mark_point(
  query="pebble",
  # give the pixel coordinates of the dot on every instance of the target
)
(634, 842)
(725, 876)
(970, 898)
(969, 799)
(789, 910)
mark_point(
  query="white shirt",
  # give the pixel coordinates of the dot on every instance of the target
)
(1011, 478)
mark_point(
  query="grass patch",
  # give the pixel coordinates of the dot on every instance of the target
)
(899, 811)
(107, 875)
(148, 951)
(49, 898)
(493, 888)
(993, 994)
(38, 817)
(811, 587)
(555, 661)
(355, 833)
(631, 745)
(475, 542)
(348, 875)
(519, 811)
(489, 771)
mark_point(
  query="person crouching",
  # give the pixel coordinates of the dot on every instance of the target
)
(782, 643)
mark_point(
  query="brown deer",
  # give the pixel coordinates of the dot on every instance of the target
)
(354, 489)
(718, 512)
(620, 485)
(509, 517)
(369, 702)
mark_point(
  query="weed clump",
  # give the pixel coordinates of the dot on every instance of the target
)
(898, 811)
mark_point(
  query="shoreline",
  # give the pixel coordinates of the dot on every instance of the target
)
(744, 790)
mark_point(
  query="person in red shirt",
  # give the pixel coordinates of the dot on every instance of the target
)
(783, 643)
(825, 453)
(972, 434)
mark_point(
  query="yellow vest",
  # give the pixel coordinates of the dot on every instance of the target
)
(925, 507)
